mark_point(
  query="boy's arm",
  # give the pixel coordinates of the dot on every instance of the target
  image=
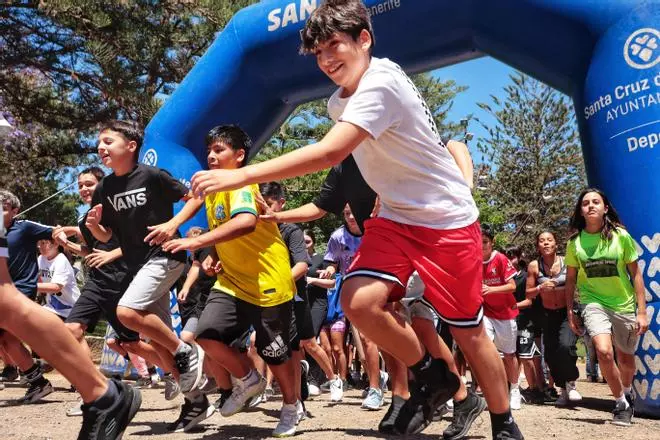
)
(97, 258)
(305, 213)
(191, 278)
(49, 288)
(340, 141)
(509, 287)
(163, 232)
(461, 155)
(93, 224)
(239, 225)
(326, 284)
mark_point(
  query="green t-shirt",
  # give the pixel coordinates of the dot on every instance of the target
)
(602, 275)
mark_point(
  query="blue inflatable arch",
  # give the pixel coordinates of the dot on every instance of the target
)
(605, 54)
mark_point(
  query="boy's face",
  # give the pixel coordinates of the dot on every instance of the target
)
(115, 150)
(350, 221)
(222, 157)
(275, 204)
(86, 186)
(487, 246)
(10, 213)
(47, 248)
(344, 60)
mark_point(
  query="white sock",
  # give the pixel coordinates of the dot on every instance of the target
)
(514, 386)
(623, 400)
(182, 348)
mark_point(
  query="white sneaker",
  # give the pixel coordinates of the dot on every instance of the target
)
(172, 389)
(514, 398)
(573, 395)
(313, 390)
(302, 414)
(287, 424)
(384, 377)
(336, 390)
(243, 391)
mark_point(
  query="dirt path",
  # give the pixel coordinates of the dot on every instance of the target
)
(47, 420)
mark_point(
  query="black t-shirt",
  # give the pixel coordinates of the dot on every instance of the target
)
(295, 242)
(132, 202)
(345, 184)
(111, 275)
(528, 313)
(315, 291)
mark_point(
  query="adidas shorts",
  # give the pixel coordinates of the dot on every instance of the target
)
(226, 318)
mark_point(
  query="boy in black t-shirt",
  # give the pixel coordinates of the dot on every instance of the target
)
(135, 203)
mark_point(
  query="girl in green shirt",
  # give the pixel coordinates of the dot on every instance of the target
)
(601, 259)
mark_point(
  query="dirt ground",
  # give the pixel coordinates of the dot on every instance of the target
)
(47, 420)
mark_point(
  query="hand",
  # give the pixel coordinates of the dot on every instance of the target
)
(327, 273)
(573, 323)
(160, 233)
(547, 286)
(180, 244)
(59, 235)
(642, 323)
(486, 290)
(213, 181)
(376, 210)
(94, 216)
(268, 215)
(98, 258)
(211, 266)
(183, 295)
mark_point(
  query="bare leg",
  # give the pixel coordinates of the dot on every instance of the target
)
(399, 375)
(626, 364)
(226, 356)
(512, 368)
(608, 367)
(78, 331)
(286, 381)
(150, 326)
(16, 351)
(372, 359)
(310, 346)
(337, 340)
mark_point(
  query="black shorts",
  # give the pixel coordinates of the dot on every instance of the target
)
(319, 308)
(526, 344)
(95, 303)
(225, 318)
(303, 320)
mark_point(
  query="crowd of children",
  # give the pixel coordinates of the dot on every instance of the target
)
(410, 276)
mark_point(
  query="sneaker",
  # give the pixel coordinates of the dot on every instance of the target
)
(288, 419)
(111, 422)
(9, 374)
(550, 394)
(143, 382)
(336, 390)
(224, 395)
(302, 411)
(563, 399)
(155, 378)
(365, 392)
(269, 392)
(2, 386)
(172, 389)
(253, 385)
(75, 410)
(37, 391)
(622, 414)
(386, 426)
(304, 368)
(209, 386)
(435, 386)
(325, 386)
(192, 413)
(573, 395)
(374, 400)
(440, 412)
(253, 402)
(189, 364)
(509, 432)
(384, 377)
(313, 389)
(514, 398)
(465, 413)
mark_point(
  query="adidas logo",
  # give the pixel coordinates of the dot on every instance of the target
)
(129, 199)
(275, 349)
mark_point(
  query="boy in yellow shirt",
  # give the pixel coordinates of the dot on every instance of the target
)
(255, 287)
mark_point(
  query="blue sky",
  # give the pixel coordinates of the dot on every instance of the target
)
(484, 76)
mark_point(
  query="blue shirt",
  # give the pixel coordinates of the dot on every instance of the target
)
(22, 237)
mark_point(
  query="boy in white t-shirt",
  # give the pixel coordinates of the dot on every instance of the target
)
(427, 220)
(57, 279)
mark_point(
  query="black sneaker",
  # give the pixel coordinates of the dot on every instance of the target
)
(110, 423)
(37, 390)
(436, 386)
(465, 413)
(386, 426)
(623, 414)
(510, 431)
(550, 395)
(189, 364)
(9, 374)
(191, 414)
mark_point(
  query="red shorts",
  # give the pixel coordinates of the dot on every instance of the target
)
(448, 261)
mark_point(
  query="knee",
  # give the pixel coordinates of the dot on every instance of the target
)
(308, 345)
(605, 354)
(76, 329)
(128, 317)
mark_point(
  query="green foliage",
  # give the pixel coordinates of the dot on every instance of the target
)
(310, 122)
(536, 169)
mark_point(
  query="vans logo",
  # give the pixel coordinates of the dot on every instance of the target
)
(129, 199)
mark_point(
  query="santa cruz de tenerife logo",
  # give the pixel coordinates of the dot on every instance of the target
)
(642, 48)
(150, 157)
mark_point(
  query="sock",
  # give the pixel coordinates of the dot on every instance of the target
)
(182, 348)
(423, 365)
(108, 398)
(33, 374)
(224, 393)
(499, 421)
(623, 400)
(513, 386)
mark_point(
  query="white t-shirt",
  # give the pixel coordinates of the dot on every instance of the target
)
(404, 160)
(59, 271)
